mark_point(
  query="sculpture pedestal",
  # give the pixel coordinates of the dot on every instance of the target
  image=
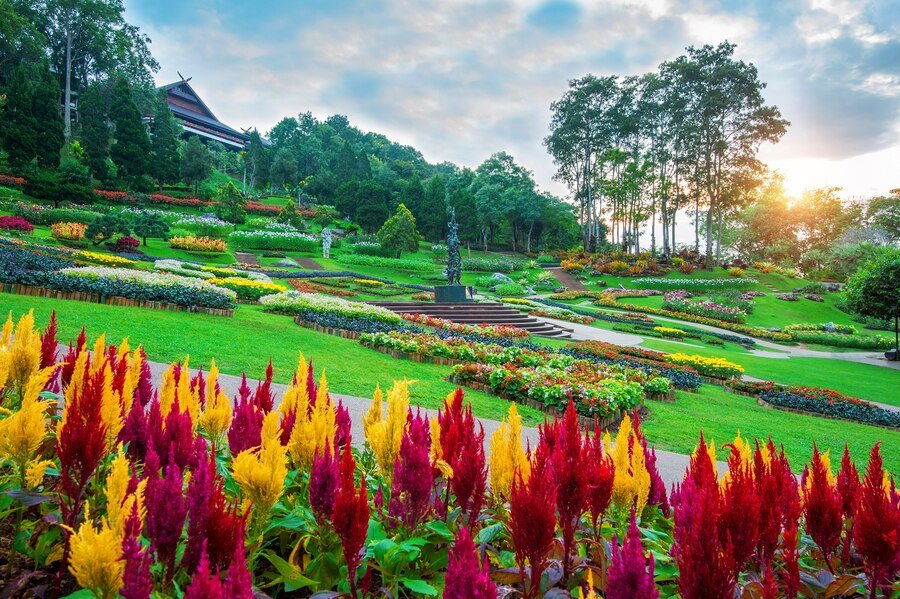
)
(450, 294)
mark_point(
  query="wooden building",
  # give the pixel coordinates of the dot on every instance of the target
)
(197, 119)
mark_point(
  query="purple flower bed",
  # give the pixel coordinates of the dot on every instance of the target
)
(678, 301)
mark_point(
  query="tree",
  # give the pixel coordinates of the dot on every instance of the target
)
(398, 234)
(432, 216)
(257, 161)
(106, 227)
(370, 210)
(31, 127)
(874, 291)
(90, 39)
(131, 149)
(284, 169)
(289, 216)
(165, 163)
(230, 203)
(196, 163)
(94, 126)
(150, 225)
(821, 218)
(884, 213)
(414, 194)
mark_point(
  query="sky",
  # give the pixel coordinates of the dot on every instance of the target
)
(462, 79)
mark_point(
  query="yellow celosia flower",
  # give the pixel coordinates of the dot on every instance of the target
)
(6, 334)
(384, 436)
(23, 431)
(313, 431)
(631, 484)
(116, 491)
(34, 474)
(110, 407)
(436, 453)
(260, 474)
(76, 383)
(590, 585)
(95, 559)
(25, 353)
(508, 454)
(5, 358)
(216, 418)
(167, 391)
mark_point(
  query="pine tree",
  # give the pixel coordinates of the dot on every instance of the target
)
(94, 130)
(196, 164)
(131, 149)
(432, 215)
(398, 234)
(31, 126)
(165, 163)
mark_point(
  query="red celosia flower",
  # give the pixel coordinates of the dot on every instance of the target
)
(463, 449)
(49, 350)
(465, 577)
(532, 520)
(81, 442)
(175, 439)
(137, 583)
(343, 424)
(630, 574)
(657, 495)
(413, 476)
(876, 529)
(740, 509)
(199, 497)
(351, 517)
(706, 569)
(68, 367)
(246, 426)
(166, 510)
(848, 484)
(571, 480)
(205, 584)
(822, 507)
(600, 471)
(777, 484)
(769, 586)
(324, 477)
(263, 397)
(238, 579)
(143, 393)
(135, 432)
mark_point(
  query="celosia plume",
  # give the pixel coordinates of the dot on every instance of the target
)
(570, 477)
(630, 574)
(822, 506)
(324, 477)
(413, 476)
(465, 576)
(507, 454)
(384, 436)
(350, 517)
(876, 529)
(532, 521)
(601, 473)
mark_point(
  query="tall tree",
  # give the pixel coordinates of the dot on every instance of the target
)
(371, 208)
(196, 162)
(398, 234)
(284, 169)
(165, 162)
(131, 148)
(94, 134)
(90, 39)
(257, 162)
(31, 126)
(414, 194)
(432, 216)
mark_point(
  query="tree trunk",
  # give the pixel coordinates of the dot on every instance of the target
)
(67, 107)
(709, 236)
(719, 239)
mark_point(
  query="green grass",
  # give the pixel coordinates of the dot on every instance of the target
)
(246, 342)
(769, 311)
(865, 381)
(675, 426)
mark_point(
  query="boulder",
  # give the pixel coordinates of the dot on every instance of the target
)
(828, 327)
(287, 263)
(499, 276)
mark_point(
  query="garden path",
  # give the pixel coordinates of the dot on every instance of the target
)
(671, 466)
(245, 258)
(566, 279)
(309, 264)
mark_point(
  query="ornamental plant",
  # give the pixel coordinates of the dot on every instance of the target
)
(291, 302)
(275, 240)
(139, 488)
(247, 289)
(68, 231)
(713, 366)
(198, 244)
(15, 224)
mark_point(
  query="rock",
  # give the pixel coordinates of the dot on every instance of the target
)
(828, 327)
(530, 290)
(499, 276)
(287, 263)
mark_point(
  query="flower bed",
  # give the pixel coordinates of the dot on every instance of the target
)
(566, 315)
(842, 340)
(504, 265)
(604, 395)
(198, 244)
(16, 224)
(264, 209)
(275, 240)
(677, 301)
(20, 266)
(669, 332)
(294, 303)
(247, 289)
(87, 257)
(395, 263)
(176, 267)
(226, 495)
(68, 231)
(719, 368)
(142, 285)
(486, 330)
(824, 402)
(203, 226)
(698, 285)
(159, 198)
(10, 181)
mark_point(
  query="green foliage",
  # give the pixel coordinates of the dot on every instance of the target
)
(196, 163)
(94, 130)
(150, 225)
(230, 203)
(284, 169)
(432, 217)
(31, 128)
(165, 163)
(131, 149)
(398, 234)
(257, 160)
(106, 227)
(874, 290)
(509, 290)
(53, 186)
(290, 216)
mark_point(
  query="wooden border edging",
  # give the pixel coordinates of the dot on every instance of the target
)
(109, 300)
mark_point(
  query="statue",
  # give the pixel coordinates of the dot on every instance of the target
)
(326, 242)
(454, 262)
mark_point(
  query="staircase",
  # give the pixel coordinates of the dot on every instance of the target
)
(480, 313)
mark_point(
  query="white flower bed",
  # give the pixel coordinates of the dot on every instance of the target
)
(293, 302)
(275, 240)
(177, 268)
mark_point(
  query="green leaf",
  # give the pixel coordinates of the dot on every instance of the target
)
(80, 594)
(290, 575)
(489, 533)
(381, 549)
(419, 586)
(440, 528)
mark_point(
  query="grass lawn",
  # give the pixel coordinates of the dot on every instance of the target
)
(769, 311)
(865, 381)
(674, 426)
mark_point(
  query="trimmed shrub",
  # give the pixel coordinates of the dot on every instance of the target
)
(198, 244)
(509, 289)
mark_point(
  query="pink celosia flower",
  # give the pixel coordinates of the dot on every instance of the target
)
(630, 574)
(413, 476)
(324, 477)
(466, 578)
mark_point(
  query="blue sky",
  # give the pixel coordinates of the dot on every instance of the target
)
(461, 79)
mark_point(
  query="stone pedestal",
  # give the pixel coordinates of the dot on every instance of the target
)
(450, 294)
